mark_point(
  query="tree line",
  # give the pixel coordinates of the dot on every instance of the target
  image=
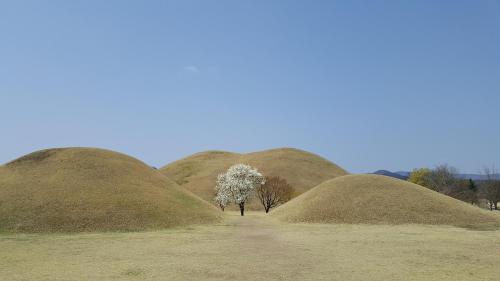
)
(444, 179)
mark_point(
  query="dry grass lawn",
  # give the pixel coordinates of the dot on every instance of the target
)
(256, 247)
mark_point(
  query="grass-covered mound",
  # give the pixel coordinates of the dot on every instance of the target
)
(303, 170)
(87, 189)
(374, 199)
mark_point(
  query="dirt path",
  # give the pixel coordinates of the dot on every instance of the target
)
(261, 251)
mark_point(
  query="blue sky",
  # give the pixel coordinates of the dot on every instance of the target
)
(366, 84)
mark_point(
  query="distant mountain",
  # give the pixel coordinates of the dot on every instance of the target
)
(396, 175)
(403, 175)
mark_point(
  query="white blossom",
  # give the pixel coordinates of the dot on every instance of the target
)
(222, 198)
(237, 184)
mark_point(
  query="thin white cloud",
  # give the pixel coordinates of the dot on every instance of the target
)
(191, 68)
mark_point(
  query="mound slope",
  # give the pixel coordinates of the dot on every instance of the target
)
(87, 189)
(303, 170)
(374, 199)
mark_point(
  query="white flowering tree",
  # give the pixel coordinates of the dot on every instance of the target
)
(237, 185)
(222, 198)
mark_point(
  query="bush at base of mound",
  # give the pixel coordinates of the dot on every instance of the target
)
(374, 199)
(87, 189)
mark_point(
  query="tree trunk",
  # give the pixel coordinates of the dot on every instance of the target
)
(267, 210)
(242, 208)
(496, 205)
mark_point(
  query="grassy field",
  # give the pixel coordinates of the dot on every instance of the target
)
(256, 247)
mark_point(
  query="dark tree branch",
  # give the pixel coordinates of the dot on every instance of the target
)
(274, 192)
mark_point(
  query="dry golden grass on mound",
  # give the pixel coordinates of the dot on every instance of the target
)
(303, 170)
(86, 189)
(198, 173)
(374, 199)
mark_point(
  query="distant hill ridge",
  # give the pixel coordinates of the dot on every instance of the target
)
(405, 175)
(391, 174)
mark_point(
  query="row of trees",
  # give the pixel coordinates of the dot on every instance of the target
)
(241, 182)
(444, 179)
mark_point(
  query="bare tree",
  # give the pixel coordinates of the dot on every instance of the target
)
(464, 190)
(442, 178)
(490, 188)
(274, 192)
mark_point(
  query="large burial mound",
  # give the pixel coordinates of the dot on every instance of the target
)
(374, 199)
(303, 170)
(86, 189)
